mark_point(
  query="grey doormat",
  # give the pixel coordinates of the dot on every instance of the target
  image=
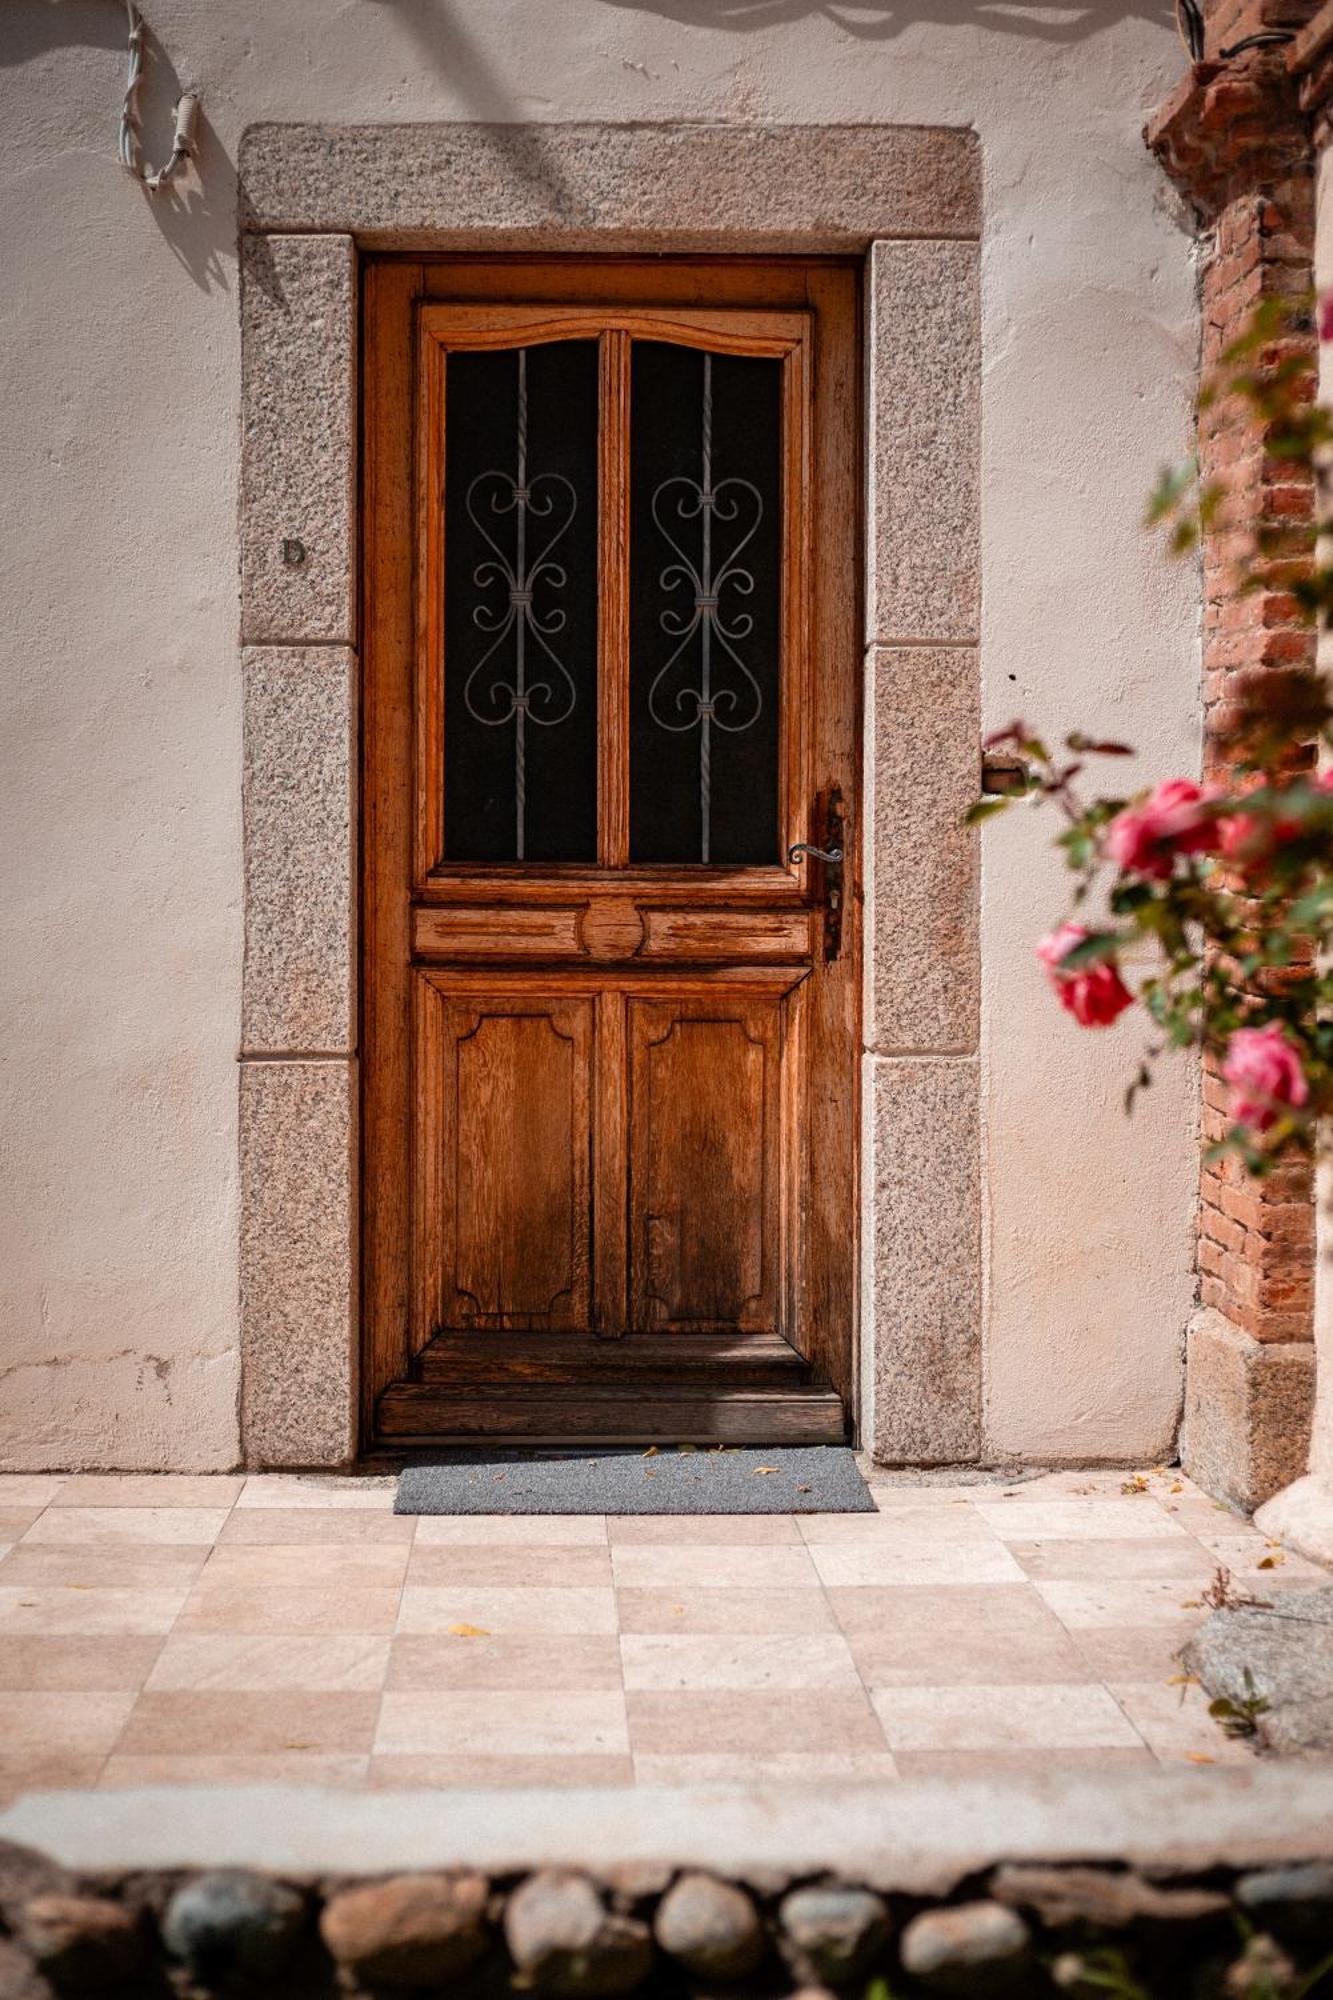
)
(781, 1479)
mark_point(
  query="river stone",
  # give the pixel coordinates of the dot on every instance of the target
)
(84, 1944)
(833, 1932)
(232, 1925)
(973, 1948)
(1296, 1904)
(1097, 1896)
(712, 1927)
(564, 1940)
(1287, 1647)
(411, 1931)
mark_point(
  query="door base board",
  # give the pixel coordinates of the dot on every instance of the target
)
(644, 1389)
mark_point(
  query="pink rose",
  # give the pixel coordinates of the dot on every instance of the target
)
(1326, 316)
(1094, 994)
(1265, 1074)
(1173, 819)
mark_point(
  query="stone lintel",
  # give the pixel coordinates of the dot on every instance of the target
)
(1248, 1410)
(568, 186)
(1230, 128)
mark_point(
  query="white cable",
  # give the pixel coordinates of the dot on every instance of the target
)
(187, 118)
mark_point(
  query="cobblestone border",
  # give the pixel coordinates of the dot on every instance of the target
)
(1015, 1929)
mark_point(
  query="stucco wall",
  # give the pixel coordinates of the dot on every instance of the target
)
(119, 355)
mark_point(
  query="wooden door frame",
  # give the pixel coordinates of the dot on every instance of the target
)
(392, 289)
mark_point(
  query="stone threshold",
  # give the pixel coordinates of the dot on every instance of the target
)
(915, 1838)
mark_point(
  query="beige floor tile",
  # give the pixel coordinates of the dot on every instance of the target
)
(715, 1566)
(1119, 1520)
(702, 1530)
(901, 1527)
(247, 1663)
(500, 1773)
(551, 1566)
(99, 1664)
(259, 1767)
(775, 1612)
(1004, 1718)
(506, 1609)
(92, 1525)
(960, 1765)
(61, 1609)
(15, 1522)
(1097, 1561)
(48, 1771)
(755, 1723)
(1262, 1564)
(312, 1527)
(149, 1489)
(80, 1724)
(30, 1489)
(957, 1637)
(105, 1565)
(1176, 1725)
(313, 1489)
(1134, 1652)
(225, 1607)
(794, 1767)
(851, 1565)
(512, 1530)
(681, 1660)
(1154, 1600)
(418, 1664)
(314, 1566)
(887, 1495)
(275, 1719)
(503, 1722)
(1071, 1483)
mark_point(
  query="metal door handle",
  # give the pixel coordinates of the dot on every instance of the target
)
(828, 823)
(801, 847)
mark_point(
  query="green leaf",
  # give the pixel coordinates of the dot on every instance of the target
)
(983, 809)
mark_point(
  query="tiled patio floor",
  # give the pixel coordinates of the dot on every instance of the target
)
(229, 1629)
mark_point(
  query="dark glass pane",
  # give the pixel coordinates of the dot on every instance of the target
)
(520, 604)
(705, 605)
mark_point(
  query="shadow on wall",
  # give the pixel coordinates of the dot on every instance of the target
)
(196, 213)
(880, 20)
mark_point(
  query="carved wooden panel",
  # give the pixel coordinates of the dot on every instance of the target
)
(503, 1195)
(705, 1162)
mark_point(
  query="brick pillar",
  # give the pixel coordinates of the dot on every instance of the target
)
(1235, 141)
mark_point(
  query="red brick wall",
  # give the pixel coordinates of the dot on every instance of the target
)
(1233, 139)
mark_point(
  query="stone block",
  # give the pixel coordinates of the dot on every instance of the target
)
(923, 954)
(298, 1318)
(656, 186)
(1248, 1409)
(298, 985)
(298, 439)
(922, 1317)
(923, 360)
(1301, 1517)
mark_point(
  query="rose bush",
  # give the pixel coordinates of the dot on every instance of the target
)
(1216, 901)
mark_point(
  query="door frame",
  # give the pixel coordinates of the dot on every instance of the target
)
(313, 201)
(399, 641)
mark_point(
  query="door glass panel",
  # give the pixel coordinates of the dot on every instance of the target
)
(705, 605)
(520, 604)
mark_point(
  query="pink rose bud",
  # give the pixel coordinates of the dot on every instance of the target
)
(1094, 994)
(1174, 819)
(1326, 316)
(1265, 1074)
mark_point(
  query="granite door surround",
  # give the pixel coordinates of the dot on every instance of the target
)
(313, 200)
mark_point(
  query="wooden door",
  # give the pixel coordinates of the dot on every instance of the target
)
(610, 995)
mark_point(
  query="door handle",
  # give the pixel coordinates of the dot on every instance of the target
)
(827, 854)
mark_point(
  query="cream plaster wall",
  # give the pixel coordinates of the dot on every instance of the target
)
(119, 356)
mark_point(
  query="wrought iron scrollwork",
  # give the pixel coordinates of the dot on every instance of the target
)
(711, 688)
(528, 682)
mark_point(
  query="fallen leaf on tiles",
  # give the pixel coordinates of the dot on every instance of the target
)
(1198, 1757)
(1269, 1562)
(1191, 1604)
(651, 1451)
(1178, 1487)
(468, 1632)
(678, 1611)
(1183, 1681)
(1138, 1484)
(761, 1471)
